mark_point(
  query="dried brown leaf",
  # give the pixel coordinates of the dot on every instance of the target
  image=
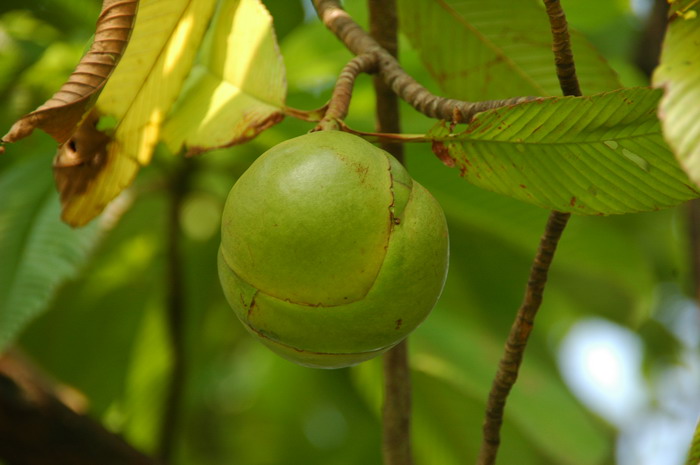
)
(81, 158)
(61, 114)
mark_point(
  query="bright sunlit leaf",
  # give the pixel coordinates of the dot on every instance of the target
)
(139, 95)
(238, 89)
(679, 76)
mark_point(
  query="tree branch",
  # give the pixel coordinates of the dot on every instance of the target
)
(402, 84)
(517, 338)
(561, 46)
(383, 27)
(396, 411)
(36, 428)
(342, 92)
(516, 343)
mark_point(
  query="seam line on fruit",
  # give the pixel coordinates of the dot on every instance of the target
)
(392, 218)
(265, 336)
(307, 304)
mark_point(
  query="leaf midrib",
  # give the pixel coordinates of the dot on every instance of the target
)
(456, 138)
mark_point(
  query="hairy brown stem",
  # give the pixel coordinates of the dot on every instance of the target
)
(509, 365)
(396, 411)
(37, 428)
(517, 338)
(407, 88)
(561, 46)
(342, 92)
(175, 314)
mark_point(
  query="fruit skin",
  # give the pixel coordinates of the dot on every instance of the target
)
(330, 253)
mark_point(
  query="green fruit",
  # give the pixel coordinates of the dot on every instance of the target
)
(330, 253)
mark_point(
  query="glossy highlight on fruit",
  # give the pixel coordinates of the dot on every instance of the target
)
(330, 253)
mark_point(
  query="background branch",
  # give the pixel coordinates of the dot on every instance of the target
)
(516, 343)
(37, 428)
(175, 312)
(359, 42)
(396, 411)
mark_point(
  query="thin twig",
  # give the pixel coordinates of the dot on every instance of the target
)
(359, 43)
(516, 343)
(175, 314)
(342, 92)
(396, 411)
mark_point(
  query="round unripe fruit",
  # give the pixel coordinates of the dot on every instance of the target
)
(330, 253)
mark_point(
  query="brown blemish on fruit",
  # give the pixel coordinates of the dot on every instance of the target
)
(399, 322)
(361, 170)
(252, 306)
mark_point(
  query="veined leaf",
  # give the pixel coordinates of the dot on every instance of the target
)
(38, 251)
(595, 155)
(60, 115)
(480, 50)
(238, 89)
(679, 76)
(137, 97)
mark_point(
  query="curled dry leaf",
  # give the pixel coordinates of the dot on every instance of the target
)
(93, 167)
(60, 115)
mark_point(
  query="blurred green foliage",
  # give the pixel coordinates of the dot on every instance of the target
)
(104, 331)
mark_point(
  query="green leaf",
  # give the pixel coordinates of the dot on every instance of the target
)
(595, 155)
(238, 88)
(694, 452)
(679, 76)
(38, 252)
(287, 15)
(479, 50)
(97, 319)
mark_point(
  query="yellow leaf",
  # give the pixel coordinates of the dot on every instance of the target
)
(138, 95)
(238, 89)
